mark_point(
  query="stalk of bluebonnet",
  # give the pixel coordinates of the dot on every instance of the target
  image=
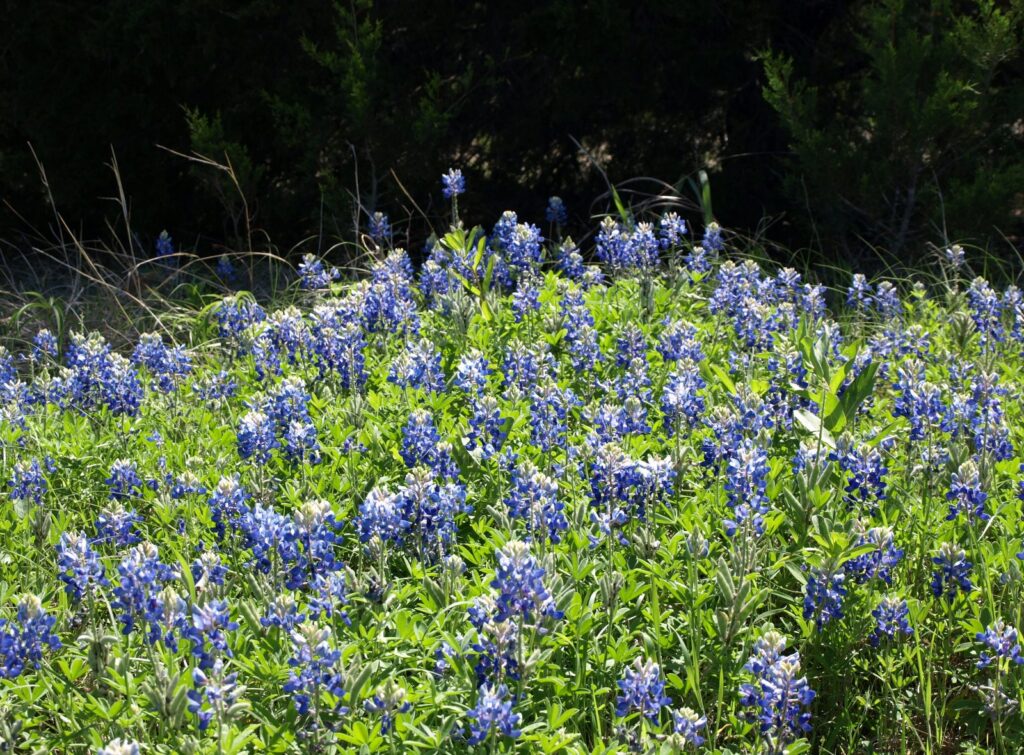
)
(497, 643)
(226, 270)
(1002, 652)
(892, 617)
(214, 698)
(682, 403)
(228, 503)
(119, 747)
(234, 315)
(641, 690)
(877, 563)
(315, 680)
(777, 697)
(419, 366)
(388, 701)
(526, 297)
(581, 338)
(81, 569)
(124, 481)
(422, 445)
(966, 495)
(256, 437)
(432, 509)
(866, 485)
(314, 276)
(534, 498)
(519, 581)
(493, 715)
(472, 373)
(168, 366)
(317, 533)
(712, 240)
(380, 228)
(953, 574)
(823, 595)
(24, 639)
(686, 727)
(116, 525)
(986, 310)
(137, 595)
(208, 632)
(453, 183)
(549, 411)
(27, 483)
(746, 484)
(486, 429)
(556, 214)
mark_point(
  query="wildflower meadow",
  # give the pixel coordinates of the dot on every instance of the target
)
(639, 494)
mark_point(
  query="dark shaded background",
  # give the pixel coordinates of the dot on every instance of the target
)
(830, 125)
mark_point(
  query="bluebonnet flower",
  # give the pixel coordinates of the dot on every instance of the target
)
(167, 365)
(27, 483)
(549, 411)
(919, 401)
(208, 571)
(965, 494)
(953, 574)
(519, 243)
(214, 694)
(137, 595)
(472, 372)
(269, 535)
(184, 485)
(316, 531)
(524, 366)
(624, 250)
(431, 510)
(686, 725)
(208, 631)
(746, 484)
(866, 485)
(380, 228)
(955, 255)
(570, 262)
(486, 429)
(388, 701)
(453, 183)
(164, 245)
(534, 498)
(124, 481)
(227, 504)
(116, 525)
(256, 438)
(216, 388)
(777, 696)
(556, 212)
(581, 338)
(986, 312)
(314, 275)
(338, 346)
(520, 585)
(23, 640)
(328, 595)
(526, 297)
(879, 562)
(823, 596)
(382, 515)
(671, 229)
(493, 714)
(679, 341)
(497, 642)
(119, 747)
(887, 300)
(81, 570)
(859, 295)
(314, 663)
(421, 444)
(712, 240)
(225, 269)
(892, 617)
(681, 403)
(1001, 640)
(44, 344)
(698, 261)
(641, 690)
(283, 613)
(234, 315)
(419, 366)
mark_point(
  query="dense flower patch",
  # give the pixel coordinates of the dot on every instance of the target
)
(512, 501)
